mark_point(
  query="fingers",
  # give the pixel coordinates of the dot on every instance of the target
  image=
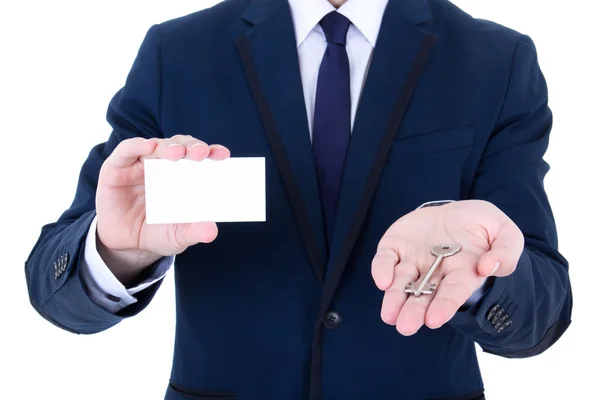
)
(455, 279)
(186, 235)
(129, 151)
(454, 290)
(506, 249)
(412, 315)
(218, 152)
(181, 146)
(395, 297)
(383, 266)
(175, 148)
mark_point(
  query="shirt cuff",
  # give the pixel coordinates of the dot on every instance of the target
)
(435, 203)
(103, 287)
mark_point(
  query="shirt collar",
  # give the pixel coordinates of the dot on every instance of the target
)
(365, 15)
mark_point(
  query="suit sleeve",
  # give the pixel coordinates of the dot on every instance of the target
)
(523, 314)
(52, 269)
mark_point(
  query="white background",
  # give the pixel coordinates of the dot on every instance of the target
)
(61, 62)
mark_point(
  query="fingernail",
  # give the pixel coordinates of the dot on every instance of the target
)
(496, 267)
(173, 145)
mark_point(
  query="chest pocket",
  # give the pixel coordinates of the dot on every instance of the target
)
(432, 143)
(425, 167)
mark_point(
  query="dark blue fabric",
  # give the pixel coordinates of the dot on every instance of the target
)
(477, 127)
(331, 128)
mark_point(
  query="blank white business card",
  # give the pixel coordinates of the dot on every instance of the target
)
(186, 191)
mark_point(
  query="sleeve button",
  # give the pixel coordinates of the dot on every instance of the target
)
(505, 325)
(492, 312)
(501, 321)
(498, 315)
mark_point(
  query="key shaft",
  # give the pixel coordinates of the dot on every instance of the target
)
(440, 252)
(432, 269)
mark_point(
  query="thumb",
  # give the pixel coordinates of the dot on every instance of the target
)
(506, 249)
(186, 235)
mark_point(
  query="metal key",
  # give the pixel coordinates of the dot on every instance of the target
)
(441, 252)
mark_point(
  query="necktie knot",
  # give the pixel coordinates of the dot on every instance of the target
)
(335, 26)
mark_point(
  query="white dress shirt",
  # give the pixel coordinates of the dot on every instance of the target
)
(365, 16)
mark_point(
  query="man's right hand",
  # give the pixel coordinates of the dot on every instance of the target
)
(125, 242)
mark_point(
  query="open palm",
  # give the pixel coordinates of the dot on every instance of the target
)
(491, 245)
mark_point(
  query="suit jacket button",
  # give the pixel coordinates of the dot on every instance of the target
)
(332, 319)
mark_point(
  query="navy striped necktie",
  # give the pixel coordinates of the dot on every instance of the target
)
(331, 125)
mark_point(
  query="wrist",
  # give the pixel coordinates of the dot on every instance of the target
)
(126, 265)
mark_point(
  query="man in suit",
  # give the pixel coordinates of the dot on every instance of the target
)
(388, 127)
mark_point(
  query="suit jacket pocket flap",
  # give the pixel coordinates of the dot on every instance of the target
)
(432, 142)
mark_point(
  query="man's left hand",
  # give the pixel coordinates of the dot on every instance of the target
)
(491, 246)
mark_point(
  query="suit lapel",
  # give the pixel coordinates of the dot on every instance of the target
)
(401, 53)
(269, 55)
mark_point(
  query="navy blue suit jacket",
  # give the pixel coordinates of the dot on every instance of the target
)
(453, 108)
